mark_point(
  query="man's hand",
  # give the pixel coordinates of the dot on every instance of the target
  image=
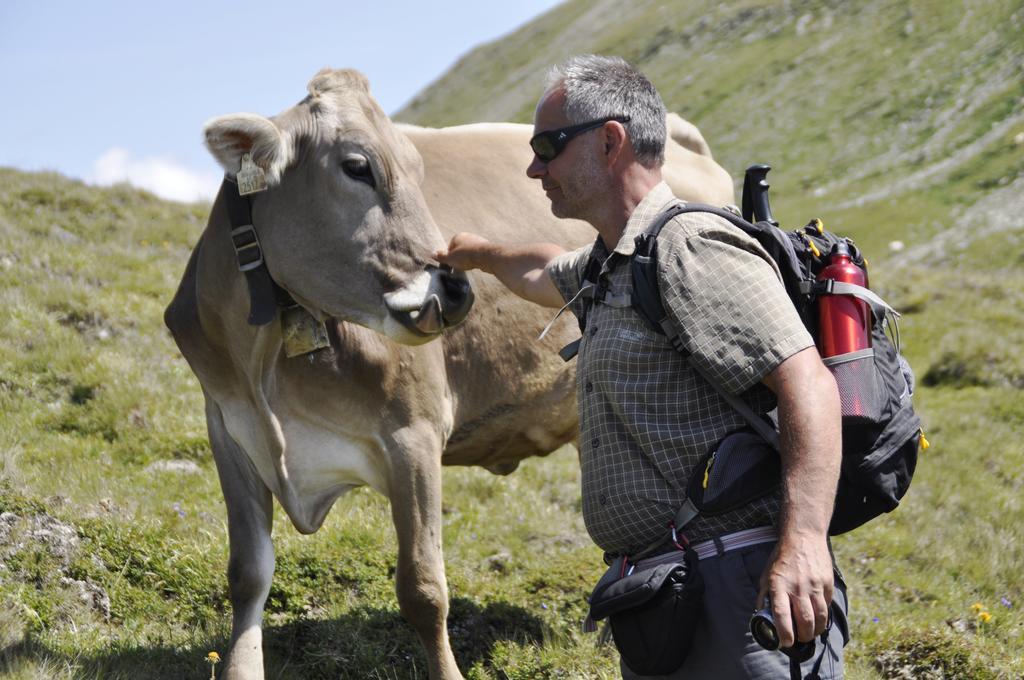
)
(465, 251)
(520, 267)
(800, 582)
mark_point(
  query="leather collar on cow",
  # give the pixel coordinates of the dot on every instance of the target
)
(265, 296)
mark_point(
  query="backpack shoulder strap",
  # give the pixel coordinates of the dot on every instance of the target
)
(589, 290)
(646, 289)
(647, 302)
(646, 296)
(591, 276)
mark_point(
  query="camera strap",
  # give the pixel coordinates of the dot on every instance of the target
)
(795, 672)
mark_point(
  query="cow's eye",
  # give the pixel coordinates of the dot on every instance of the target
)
(358, 168)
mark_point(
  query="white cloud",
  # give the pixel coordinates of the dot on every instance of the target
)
(161, 175)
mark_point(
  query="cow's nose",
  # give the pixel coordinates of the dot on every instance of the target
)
(456, 295)
(435, 299)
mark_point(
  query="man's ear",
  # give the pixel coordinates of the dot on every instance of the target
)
(615, 139)
(229, 137)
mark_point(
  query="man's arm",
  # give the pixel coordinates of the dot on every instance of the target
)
(799, 575)
(522, 268)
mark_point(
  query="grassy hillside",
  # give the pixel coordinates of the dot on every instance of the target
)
(893, 121)
(855, 104)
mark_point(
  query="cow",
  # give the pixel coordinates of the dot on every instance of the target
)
(353, 209)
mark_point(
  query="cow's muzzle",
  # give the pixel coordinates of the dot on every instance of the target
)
(437, 298)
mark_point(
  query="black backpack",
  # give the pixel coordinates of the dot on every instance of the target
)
(881, 442)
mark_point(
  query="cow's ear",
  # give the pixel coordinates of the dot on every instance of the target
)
(228, 137)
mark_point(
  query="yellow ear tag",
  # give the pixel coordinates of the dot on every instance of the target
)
(819, 225)
(250, 177)
(924, 442)
(814, 248)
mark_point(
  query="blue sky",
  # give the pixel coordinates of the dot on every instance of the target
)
(119, 91)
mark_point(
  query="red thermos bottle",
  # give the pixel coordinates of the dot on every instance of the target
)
(844, 321)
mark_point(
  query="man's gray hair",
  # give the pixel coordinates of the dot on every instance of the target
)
(599, 87)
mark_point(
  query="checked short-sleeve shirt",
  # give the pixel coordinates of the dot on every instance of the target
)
(647, 419)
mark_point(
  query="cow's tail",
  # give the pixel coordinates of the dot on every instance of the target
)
(685, 134)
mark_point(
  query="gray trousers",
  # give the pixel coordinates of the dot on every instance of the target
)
(723, 648)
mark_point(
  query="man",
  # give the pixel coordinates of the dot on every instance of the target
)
(646, 417)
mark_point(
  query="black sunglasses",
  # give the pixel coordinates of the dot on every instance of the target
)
(547, 145)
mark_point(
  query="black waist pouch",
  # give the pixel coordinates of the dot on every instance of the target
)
(653, 613)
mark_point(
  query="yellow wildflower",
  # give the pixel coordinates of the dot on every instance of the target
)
(213, 658)
(977, 607)
(985, 617)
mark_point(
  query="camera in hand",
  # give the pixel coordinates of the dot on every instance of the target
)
(762, 627)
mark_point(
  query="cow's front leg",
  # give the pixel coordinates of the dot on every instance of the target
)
(251, 562)
(420, 582)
